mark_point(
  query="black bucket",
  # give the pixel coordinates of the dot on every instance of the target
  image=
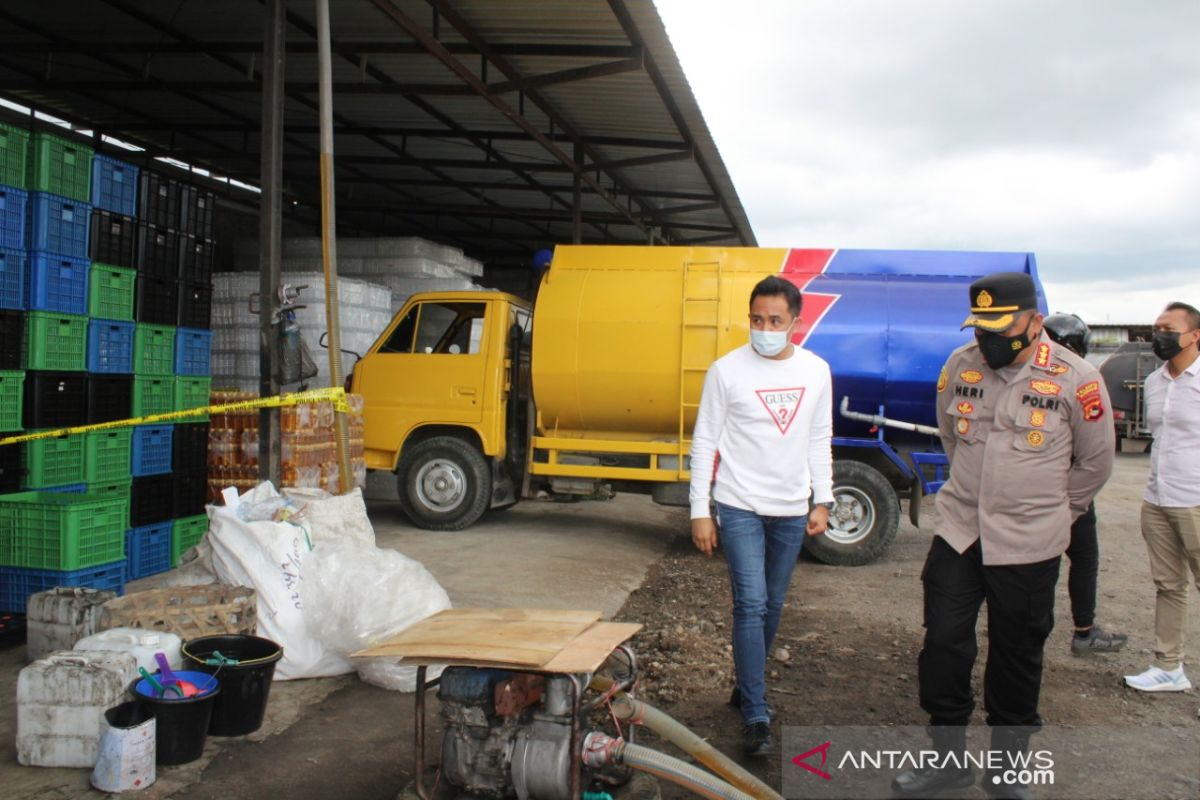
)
(245, 685)
(181, 723)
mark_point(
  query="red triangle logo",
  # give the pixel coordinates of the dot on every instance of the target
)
(781, 404)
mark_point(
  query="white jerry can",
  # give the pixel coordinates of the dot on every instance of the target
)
(58, 618)
(61, 700)
(139, 641)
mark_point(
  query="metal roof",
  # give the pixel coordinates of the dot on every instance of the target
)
(463, 121)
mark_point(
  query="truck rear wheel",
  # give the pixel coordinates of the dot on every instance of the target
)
(445, 484)
(863, 524)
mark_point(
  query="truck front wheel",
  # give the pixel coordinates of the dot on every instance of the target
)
(864, 521)
(444, 483)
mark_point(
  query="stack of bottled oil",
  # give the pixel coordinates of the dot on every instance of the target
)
(309, 446)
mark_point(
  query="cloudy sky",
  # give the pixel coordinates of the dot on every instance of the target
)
(1064, 127)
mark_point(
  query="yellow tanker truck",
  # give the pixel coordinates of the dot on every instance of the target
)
(476, 399)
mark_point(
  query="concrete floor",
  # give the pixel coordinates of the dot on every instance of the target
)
(339, 737)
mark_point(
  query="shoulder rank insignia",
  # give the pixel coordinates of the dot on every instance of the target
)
(1042, 359)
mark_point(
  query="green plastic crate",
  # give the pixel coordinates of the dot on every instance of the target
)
(55, 341)
(59, 166)
(53, 462)
(106, 455)
(12, 399)
(14, 145)
(122, 489)
(185, 533)
(192, 392)
(111, 292)
(44, 530)
(154, 350)
(153, 394)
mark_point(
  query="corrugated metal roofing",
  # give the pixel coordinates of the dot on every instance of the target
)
(420, 146)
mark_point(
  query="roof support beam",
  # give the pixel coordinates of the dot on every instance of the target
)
(310, 48)
(465, 74)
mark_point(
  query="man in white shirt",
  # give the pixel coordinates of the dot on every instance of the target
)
(761, 445)
(1171, 503)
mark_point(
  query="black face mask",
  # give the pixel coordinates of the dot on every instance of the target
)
(1165, 344)
(1000, 351)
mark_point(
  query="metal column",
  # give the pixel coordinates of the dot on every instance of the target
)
(270, 245)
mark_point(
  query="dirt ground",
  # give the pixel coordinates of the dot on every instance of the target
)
(852, 636)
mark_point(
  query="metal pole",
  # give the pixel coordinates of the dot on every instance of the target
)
(329, 242)
(270, 244)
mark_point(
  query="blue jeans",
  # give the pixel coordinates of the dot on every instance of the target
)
(761, 553)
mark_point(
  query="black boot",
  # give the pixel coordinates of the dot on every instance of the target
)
(1013, 742)
(930, 781)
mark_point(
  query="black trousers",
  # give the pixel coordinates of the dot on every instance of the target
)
(1020, 609)
(1084, 552)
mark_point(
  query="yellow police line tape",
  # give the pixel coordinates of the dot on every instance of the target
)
(336, 395)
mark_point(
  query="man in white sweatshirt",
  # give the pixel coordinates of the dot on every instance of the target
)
(761, 446)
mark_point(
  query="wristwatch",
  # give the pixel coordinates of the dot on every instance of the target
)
(827, 506)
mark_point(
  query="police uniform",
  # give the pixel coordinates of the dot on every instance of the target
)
(1030, 445)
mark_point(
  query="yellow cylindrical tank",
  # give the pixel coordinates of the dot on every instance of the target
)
(618, 330)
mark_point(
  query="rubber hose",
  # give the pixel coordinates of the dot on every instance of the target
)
(679, 772)
(627, 708)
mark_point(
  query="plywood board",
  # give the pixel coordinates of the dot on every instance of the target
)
(524, 637)
(590, 649)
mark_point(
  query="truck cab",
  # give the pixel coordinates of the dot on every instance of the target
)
(440, 408)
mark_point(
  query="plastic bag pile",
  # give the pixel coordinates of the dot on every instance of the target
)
(324, 589)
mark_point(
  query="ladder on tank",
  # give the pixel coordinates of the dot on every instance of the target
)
(701, 304)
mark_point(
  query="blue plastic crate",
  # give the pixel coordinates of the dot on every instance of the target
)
(12, 278)
(58, 225)
(148, 550)
(74, 488)
(110, 346)
(57, 283)
(193, 352)
(114, 185)
(18, 583)
(152, 449)
(12, 217)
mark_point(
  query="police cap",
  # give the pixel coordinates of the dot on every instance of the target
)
(996, 299)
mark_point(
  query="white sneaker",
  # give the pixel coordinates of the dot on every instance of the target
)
(1159, 680)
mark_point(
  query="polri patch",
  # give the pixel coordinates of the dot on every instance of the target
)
(1035, 438)
(963, 426)
(965, 408)
(1037, 418)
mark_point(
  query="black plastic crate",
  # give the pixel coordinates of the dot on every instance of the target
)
(159, 199)
(12, 338)
(12, 467)
(196, 259)
(112, 239)
(158, 252)
(157, 299)
(54, 399)
(195, 306)
(189, 450)
(109, 398)
(191, 492)
(196, 211)
(151, 500)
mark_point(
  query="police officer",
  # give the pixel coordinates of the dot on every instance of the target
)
(1084, 550)
(1024, 424)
